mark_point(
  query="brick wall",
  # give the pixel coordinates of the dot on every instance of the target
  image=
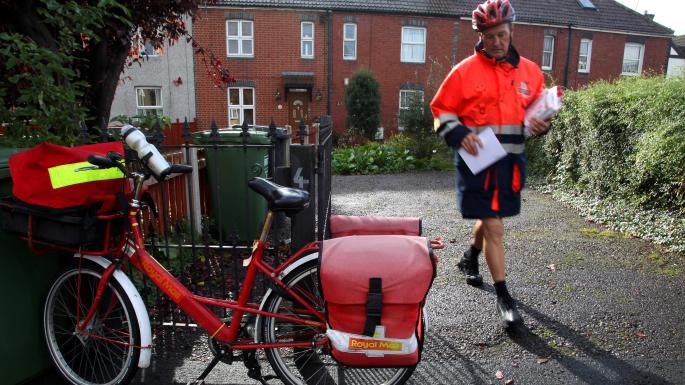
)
(379, 41)
(276, 50)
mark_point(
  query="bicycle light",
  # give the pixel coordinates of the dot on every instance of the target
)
(147, 152)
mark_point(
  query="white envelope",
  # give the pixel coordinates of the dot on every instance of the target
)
(491, 152)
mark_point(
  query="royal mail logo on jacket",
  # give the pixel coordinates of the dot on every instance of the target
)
(523, 89)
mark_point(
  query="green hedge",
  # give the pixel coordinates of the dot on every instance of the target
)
(622, 140)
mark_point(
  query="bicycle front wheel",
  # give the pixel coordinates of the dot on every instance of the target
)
(312, 365)
(107, 351)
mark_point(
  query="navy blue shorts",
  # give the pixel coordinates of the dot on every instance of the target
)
(492, 193)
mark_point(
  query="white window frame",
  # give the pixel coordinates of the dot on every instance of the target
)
(551, 54)
(346, 39)
(401, 108)
(304, 40)
(241, 107)
(423, 43)
(640, 59)
(240, 38)
(588, 55)
(142, 109)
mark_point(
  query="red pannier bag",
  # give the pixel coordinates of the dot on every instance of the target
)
(375, 287)
(345, 225)
(45, 176)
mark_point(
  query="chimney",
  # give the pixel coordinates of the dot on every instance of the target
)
(650, 16)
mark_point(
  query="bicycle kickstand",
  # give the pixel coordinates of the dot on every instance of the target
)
(201, 379)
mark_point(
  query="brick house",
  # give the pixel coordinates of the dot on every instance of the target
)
(293, 57)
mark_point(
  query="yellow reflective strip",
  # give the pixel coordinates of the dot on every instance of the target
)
(66, 175)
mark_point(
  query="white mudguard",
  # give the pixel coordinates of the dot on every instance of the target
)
(293, 266)
(138, 308)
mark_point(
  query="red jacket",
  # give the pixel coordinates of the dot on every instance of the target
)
(479, 93)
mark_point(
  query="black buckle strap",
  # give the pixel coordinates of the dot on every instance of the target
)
(374, 306)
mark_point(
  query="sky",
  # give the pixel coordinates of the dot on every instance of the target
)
(669, 13)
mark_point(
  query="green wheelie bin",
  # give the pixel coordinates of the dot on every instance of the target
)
(239, 210)
(25, 279)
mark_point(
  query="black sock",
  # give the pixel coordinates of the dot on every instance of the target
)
(472, 252)
(501, 289)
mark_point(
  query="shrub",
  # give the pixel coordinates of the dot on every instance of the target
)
(395, 155)
(623, 140)
(363, 103)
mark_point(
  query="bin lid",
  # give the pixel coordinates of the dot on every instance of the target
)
(233, 136)
(5, 153)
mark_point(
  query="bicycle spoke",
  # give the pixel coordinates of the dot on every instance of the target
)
(103, 353)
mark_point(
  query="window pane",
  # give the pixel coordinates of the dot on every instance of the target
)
(583, 48)
(148, 97)
(631, 66)
(248, 97)
(412, 35)
(232, 28)
(350, 32)
(546, 59)
(249, 115)
(349, 49)
(234, 113)
(307, 48)
(307, 29)
(247, 28)
(418, 53)
(549, 42)
(247, 47)
(419, 35)
(632, 52)
(234, 96)
(582, 63)
(233, 47)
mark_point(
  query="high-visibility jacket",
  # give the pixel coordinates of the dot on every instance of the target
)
(481, 92)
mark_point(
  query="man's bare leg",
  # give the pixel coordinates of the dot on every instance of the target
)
(493, 232)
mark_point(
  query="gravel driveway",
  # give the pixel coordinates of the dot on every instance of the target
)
(599, 308)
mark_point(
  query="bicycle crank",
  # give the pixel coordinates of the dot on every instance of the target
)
(221, 351)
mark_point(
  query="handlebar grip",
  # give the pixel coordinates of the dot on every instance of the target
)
(101, 161)
(180, 169)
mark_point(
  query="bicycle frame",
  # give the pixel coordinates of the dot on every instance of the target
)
(196, 306)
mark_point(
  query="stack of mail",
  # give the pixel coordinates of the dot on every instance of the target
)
(547, 104)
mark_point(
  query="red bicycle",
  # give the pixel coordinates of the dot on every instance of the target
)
(98, 331)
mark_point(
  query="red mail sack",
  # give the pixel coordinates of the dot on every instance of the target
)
(46, 175)
(344, 225)
(375, 287)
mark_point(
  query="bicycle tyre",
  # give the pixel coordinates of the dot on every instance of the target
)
(108, 353)
(309, 366)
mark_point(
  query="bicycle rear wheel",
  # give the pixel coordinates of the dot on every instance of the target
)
(313, 365)
(106, 352)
